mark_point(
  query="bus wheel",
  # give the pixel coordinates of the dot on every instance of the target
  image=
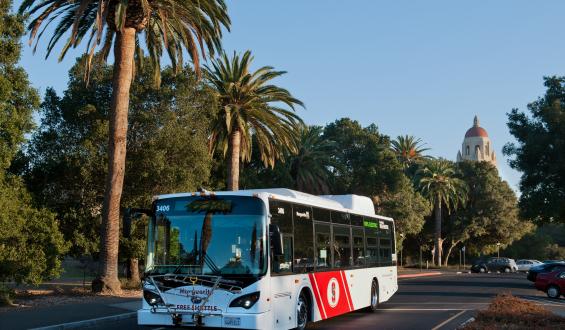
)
(374, 298)
(302, 311)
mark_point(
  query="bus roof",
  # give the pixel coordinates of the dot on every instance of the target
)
(349, 203)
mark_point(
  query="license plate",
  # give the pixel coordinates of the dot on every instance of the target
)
(232, 321)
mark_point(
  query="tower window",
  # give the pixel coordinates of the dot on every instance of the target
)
(487, 148)
(477, 149)
(467, 151)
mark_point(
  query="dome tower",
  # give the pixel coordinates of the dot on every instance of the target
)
(476, 145)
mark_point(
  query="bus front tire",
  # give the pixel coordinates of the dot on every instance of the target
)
(374, 304)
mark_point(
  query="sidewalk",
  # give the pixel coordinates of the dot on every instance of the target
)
(416, 272)
(54, 315)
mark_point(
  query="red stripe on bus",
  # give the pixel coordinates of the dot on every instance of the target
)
(331, 293)
(347, 294)
(317, 296)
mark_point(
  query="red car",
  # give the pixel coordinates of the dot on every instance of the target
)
(552, 283)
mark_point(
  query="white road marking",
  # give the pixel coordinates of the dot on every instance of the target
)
(421, 309)
(439, 303)
(469, 320)
(449, 320)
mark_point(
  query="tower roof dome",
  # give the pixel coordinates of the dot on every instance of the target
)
(476, 130)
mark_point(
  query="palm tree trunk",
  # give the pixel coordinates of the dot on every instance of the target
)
(124, 47)
(233, 165)
(134, 279)
(438, 233)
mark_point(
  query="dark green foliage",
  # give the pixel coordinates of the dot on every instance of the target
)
(364, 163)
(17, 98)
(409, 150)
(174, 27)
(540, 154)
(307, 170)
(546, 242)
(490, 215)
(30, 242)
(166, 150)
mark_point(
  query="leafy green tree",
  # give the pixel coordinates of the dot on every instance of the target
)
(30, 242)
(310, 167)
(364, 164)
(407, 207)
(490, 214)
(409, 150)
(438, 182)
(176, 26)
(539, 154)
(167, 151)
(249, 106)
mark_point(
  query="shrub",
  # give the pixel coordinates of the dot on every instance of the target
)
(509, 312)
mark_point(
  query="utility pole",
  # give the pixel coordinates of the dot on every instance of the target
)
(463, 250)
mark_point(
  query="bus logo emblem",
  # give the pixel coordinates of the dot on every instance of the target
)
(333, 292)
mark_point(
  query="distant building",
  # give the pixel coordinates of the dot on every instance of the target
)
(477, 145)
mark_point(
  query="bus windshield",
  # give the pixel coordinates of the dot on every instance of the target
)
(218, 235)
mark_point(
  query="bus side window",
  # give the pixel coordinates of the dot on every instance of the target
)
(281, 215)
(371, 242)
(385, 243)
(319, 214)
(323, 246)
(341, 247)
(303, 239)
(358, 247)
(385, 251)
(283, 264)
(340, 217)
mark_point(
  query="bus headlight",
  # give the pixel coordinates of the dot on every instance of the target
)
(152, 298)
(245, 301)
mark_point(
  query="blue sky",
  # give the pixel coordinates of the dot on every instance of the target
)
(423, 68)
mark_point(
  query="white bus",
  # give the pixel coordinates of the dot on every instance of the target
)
(264, 259)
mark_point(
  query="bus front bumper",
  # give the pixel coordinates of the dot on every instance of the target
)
(226, 320)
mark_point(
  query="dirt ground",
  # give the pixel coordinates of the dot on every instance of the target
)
(49, 295)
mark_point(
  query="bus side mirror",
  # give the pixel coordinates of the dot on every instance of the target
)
(276, 240)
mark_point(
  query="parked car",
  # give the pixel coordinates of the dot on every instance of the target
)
(525, 264)
(552, 283)
(544, 268)
(494, 264)
(552, 261)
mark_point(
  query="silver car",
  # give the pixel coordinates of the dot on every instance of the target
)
(525, 264)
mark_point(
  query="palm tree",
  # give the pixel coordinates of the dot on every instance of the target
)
(310, 167)
(437, 182)
(170, 25)
(408, 149)
(249, 106)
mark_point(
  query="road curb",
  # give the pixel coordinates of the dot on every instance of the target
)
(89, 323)
(419, 275)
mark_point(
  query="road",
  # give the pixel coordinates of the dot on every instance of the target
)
(439, 302)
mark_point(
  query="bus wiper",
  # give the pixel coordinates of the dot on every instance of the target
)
(210, 263)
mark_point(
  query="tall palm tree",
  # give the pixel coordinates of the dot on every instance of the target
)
(408, 149)
(310, 166)
(437, 182)
(170, 25)
(249, 105)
